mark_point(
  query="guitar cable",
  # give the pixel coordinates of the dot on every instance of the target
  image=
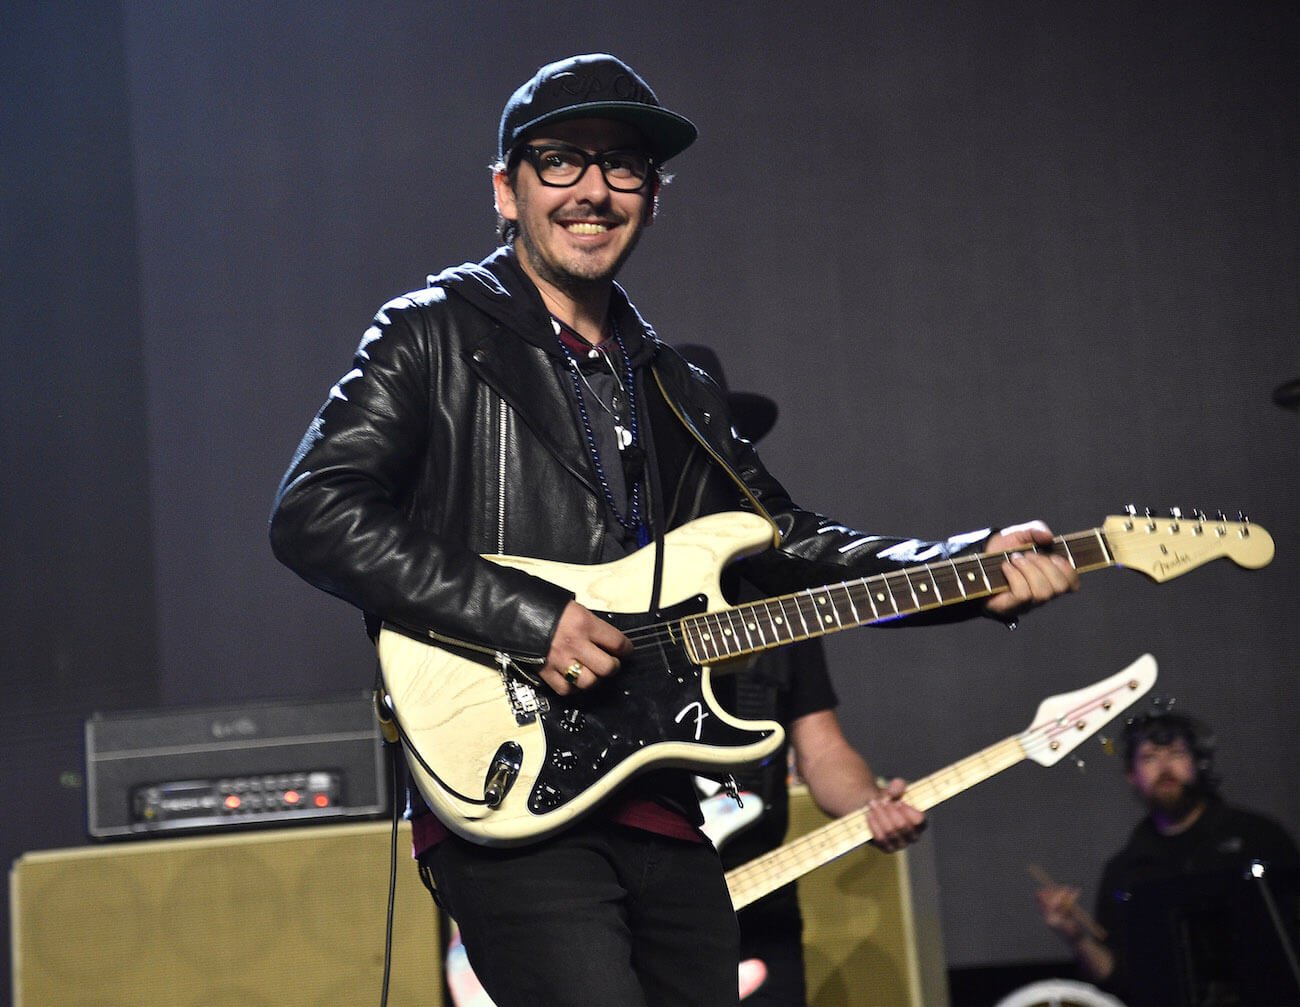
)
(395, 787)
(408, 746)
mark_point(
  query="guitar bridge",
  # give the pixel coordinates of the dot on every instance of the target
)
(524, 700)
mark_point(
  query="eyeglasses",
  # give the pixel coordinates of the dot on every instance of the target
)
(561, 165)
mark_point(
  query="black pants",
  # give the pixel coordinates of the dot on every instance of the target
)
(771, 930)
(600, 914)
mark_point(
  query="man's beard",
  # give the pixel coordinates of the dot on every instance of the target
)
(562, 278)
(1172, 803)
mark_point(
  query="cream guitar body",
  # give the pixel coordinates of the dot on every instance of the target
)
(467, 719)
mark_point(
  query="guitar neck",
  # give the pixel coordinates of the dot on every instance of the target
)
(774, 622)
(788, 863)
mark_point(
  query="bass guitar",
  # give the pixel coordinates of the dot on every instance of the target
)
(502, 760)
(1061, 724)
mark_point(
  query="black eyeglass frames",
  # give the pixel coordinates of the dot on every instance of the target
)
(561, 165)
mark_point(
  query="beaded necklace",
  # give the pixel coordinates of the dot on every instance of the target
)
(633, 521)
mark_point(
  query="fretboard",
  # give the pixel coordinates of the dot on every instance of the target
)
(790, 862)
(773, 622)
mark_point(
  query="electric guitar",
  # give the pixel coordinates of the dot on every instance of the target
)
(502, 760)
(1061, 724)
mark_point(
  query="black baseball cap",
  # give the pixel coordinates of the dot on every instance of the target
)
(593, 86)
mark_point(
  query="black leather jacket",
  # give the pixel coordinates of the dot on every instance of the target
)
(452, 436)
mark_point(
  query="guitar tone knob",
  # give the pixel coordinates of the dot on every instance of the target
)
(572, 721)
(564, 759)
(545, 798)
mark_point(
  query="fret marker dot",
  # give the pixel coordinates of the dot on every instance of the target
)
(880, 597)
(923, 588)
(970, 577)
(827, 619)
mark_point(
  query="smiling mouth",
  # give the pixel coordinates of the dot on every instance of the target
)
(586, 227)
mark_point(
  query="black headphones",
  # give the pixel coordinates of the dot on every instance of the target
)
(1161, 726)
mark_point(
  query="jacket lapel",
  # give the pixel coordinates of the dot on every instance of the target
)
(527, 379)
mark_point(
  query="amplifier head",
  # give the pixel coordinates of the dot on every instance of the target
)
(271, 762)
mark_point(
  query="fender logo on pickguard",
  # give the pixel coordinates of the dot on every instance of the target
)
(700, 714)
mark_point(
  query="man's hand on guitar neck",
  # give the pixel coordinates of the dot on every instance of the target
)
(843, 783)
(894, 824)
(1032, 578)
(584, 649)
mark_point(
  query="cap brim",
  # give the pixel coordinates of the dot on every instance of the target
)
(667, 133)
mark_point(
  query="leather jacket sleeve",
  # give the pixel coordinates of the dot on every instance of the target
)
(353, 516)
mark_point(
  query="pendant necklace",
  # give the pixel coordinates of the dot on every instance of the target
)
(621, 433)
(627, 436)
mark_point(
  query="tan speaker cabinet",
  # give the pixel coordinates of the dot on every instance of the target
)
(872, 933)
(288, 917)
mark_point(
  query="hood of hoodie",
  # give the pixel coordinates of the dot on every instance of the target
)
(500, 288)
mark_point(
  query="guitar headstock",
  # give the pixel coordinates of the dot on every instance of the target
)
(1163, 548)
(1064, 722)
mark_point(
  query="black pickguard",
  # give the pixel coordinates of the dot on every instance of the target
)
(657, 697)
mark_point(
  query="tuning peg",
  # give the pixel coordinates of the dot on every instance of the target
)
(1177, 514)
(1107, 744)
(1079, 764)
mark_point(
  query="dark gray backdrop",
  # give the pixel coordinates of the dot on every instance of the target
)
(996, 261)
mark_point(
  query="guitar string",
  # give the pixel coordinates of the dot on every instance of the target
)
(663, 631)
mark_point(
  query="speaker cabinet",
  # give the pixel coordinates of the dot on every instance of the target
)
(293, 916)
(872, 933)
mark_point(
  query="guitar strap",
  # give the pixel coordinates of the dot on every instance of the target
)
(654, 496)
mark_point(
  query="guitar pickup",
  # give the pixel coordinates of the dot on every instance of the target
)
(502, 773)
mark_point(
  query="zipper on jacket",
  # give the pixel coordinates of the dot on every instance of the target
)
(502, 413)
(500, 657)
